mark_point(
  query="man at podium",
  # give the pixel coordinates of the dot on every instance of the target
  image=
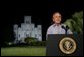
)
(61, 41)
(57, 27)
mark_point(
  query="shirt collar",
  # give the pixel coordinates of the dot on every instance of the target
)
(55, 25)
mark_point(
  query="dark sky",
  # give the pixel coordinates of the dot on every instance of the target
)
(41, 11)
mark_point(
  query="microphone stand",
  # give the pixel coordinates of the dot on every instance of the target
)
(66, 32)
(66, 29)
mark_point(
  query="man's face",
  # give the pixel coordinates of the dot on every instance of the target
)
(57, 18)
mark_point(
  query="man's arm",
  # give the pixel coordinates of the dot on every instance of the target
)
(49, 31)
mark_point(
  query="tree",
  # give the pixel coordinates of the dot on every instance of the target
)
(76, 22)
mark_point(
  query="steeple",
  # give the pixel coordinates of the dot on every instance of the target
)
(27, 19)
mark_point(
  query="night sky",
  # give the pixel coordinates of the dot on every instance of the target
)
(41, 11)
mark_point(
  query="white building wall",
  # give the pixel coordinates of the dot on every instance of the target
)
(33, 33)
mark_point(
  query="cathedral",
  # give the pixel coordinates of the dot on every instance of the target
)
(27, 29)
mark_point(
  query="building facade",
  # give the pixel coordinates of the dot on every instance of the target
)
(27, 29)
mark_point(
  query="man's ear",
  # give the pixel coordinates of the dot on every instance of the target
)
(53, 19)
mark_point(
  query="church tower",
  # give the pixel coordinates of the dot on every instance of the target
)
(27, 19)
(15, 28)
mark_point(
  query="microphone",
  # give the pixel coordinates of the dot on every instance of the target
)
(65, 28)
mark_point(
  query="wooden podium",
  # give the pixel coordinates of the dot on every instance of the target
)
(62, 45)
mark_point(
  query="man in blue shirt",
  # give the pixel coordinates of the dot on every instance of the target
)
(56, 28)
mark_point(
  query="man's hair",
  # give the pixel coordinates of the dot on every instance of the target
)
(55, 13)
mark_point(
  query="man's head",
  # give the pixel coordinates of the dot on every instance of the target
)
(56, 18)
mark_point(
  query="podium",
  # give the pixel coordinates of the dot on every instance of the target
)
(62, 45)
